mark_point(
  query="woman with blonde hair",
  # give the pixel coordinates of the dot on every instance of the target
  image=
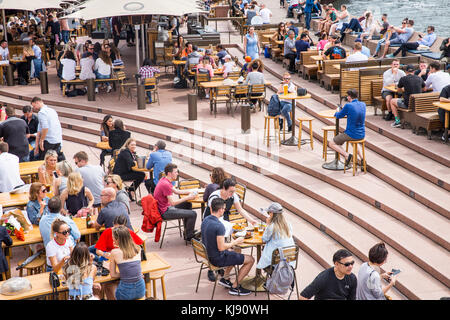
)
(80, 274)
(114, 181)
(127, 257)
(76, 196)
(46, 172)
(37, 206)
(278, 234)
(63, 169)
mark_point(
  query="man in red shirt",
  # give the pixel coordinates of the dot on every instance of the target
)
(171, 206)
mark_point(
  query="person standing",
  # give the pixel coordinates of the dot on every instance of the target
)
(65, 30)
(158, 160)
(15, 132)
(92, 175)
(265, 14)
(309, 5)
(33, 122)
(49, 135)
(251, 44)
(9, 169)
(356, 114)
(335, 283)
(116, 29)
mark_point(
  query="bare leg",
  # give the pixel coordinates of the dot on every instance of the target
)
(338, 148)
(386, 48)
(388, 102)
(245, 269)
(394, 107)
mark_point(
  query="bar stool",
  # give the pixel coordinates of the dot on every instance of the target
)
(34, 267)
(276, 124)
(325, 139)
(155, 276)
(300, 120)
(355, 154)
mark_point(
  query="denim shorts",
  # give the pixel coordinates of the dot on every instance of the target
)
(130, 291)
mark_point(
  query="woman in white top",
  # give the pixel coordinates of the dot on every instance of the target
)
(69, 64)
(87, 67)
(63, 169)
(103, 69)
(370, 26)
(59, 249)
(342, 17)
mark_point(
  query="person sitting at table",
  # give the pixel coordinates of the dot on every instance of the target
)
(80, 274)
(54, 212)
(125, 161)
(390, 77)
(9, 169)
(356, 114)
(336, 51)
(219, 251)
(246, 66)
(192, 59)
(216, 176)
(37, 206)
(118, 136)
(103, 69)
(323, 41)
(106, 127)
(127, 257)
(302, 45)
(285, 105)
(6, 240)
(178, 48)
(254, 77)
(37, 60)
(186, 51)
(87, 66)
(281, 34)
(357, 55)
(4, 52)
(205, 67)
(227, 192)
(208, 56)
(24, 67)
(148, 71)
(76, 196)
(110, 210)
(114, 181)
(290, 52)
(221, 53)
(58, 249)
(63, 169)
(278, 234)
(69, 65)
(46, 171)
(158, 160)
(228, 66)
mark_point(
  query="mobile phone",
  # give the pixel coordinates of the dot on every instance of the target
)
(151, 147)
(55, 174)
(395, 272)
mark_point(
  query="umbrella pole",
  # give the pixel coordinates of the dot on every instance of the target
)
(143, 41)
(136, 29)
(5, 32)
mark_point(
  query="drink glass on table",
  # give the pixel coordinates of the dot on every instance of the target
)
(285, 89)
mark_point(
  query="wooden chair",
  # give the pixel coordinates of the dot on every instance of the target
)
(276, 125)
(190, 184)
(425, 113)
(201, 77)
(290, 254)
(376, 86)
(123, 85)
(201, 256)
(325, 139)
(258, 92)
(309, 66)
(331, 75)
(155, 276)
(154, 90)
(365, 81)
(234, 75)
(240, 94)
(355, 154)
(34, 267)
(311, 139)
(222, 95)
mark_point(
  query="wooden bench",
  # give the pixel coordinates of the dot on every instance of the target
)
(366, 76)
(424, 114)
(309, 66)
(330, 76)
(78, 81)
(377, 101)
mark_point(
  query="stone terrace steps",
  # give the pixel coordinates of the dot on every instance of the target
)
(316, 212)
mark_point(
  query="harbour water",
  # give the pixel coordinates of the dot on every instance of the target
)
(423, 12)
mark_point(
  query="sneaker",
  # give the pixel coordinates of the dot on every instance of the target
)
(226, 283)
(290, 128)
(396, 124)
(389, 117)
(96, 90)
(211, 276)
(239, 291)
(443, 137)
(207, 96)
(348, 160)
(391, 55)
(108, 89)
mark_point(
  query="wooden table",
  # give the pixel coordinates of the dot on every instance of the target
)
(319, 60)
(104, 145)
(293, 140)
(14, 200)
(249, 282)
(144, 169)
(393, 88)
(198, 199)
(446, 107)
(336, 164)
(41, 286)
(30, 168)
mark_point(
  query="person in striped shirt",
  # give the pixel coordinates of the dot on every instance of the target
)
(148, 71)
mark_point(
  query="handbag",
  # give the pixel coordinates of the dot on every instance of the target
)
(54, 280)
(302, 92)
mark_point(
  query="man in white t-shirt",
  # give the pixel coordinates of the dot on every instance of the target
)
(4, 52)
(228, 66)
(9, 169)
(265, 14)
(357, 55)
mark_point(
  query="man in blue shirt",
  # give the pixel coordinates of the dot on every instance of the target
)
(356, 114)
(158, 160)
(428, 41)
(45, 224)
(309, 4)
(37, 60)
(302, 44)
(403, 35)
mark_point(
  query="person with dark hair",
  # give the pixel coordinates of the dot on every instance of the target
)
(37, 60)
(170, 206)
(32, 121)
(227, 192)
(427, 41)
(356, 115)
(54, 212)
(437, 78)
(6, 240)
(221, 53)
(336, 51)
(335, 283)
(216, 176)
(103, 69)
(148, 71)
(15, 132)
(158, 159)
(301, 44)
(87, 65)
(116, 25)
(403, 35)
(69, 65)
(369, 275)
(105, 128)
(59, 248)
(219, 253)
(118, 136)
(254, 77)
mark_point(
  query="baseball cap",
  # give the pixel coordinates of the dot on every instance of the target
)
(274, 207)
(358, 40)
(409, 67)
(227, 57)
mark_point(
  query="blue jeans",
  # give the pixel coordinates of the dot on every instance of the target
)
(93, 251)
(25, 159)
(37, 67)
(149, 93)
(130, 291)
(101, 76)
(286, 108)
(380, 43)
(65, 36)
(307, 19)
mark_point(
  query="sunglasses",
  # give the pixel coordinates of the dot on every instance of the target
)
(347, 264)
(286, 78)
(66, 232)
(44, 190)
